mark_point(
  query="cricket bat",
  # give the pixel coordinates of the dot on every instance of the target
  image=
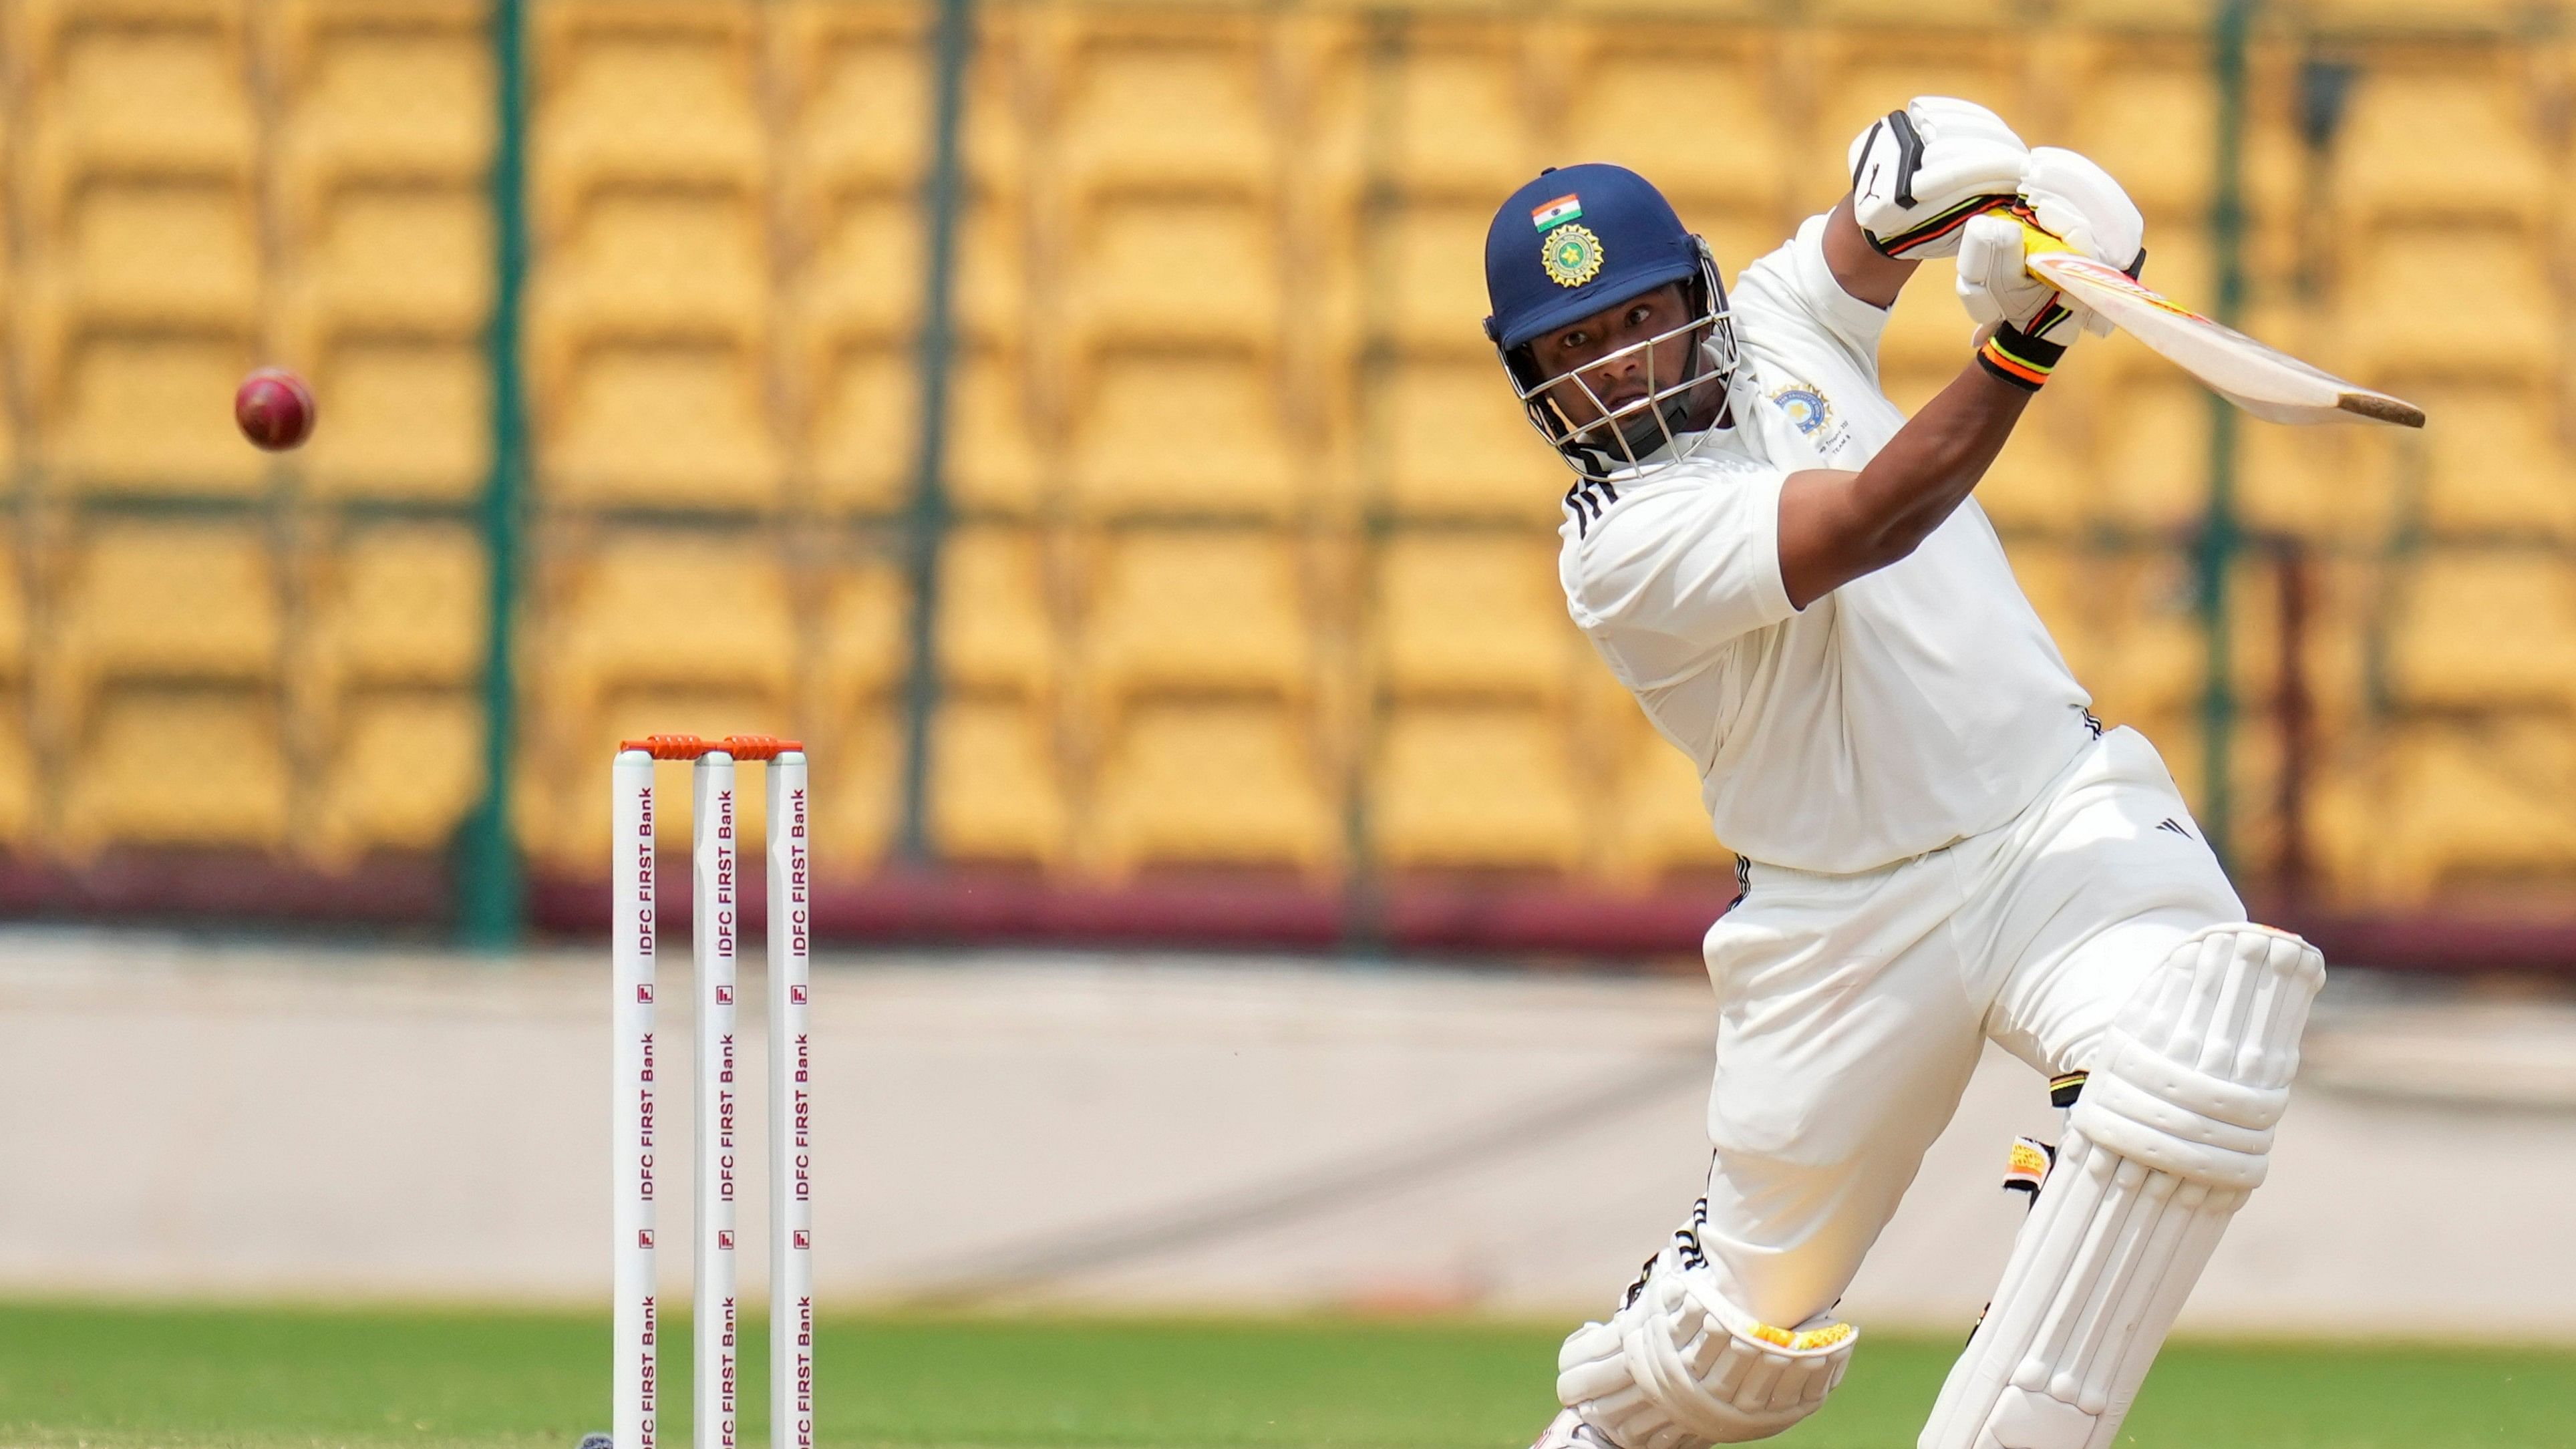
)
(2263, 380)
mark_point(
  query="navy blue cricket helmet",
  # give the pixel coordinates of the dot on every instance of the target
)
(1577, 240)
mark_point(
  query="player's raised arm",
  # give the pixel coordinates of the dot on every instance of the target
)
(1917, 176)
(1836, 526)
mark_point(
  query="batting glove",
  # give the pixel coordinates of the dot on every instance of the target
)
(2067, 204)
(1918, 174)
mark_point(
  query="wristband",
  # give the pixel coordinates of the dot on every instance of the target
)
(2019, 358)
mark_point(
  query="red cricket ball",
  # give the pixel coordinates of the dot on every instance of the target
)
(274, 409)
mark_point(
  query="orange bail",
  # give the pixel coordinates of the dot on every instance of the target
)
(690, 747)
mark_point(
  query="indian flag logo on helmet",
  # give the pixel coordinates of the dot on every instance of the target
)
(1564, 208)
(1570, 255)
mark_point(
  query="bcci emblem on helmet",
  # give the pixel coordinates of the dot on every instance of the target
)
(1628, 244)
(1571, 255)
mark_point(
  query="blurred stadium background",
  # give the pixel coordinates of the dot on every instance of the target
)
(1071, 419)
(1166, 560)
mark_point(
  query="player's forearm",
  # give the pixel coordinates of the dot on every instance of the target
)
(1837, 526)
(1863, 270)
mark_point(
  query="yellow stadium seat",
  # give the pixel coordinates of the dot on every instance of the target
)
(672, 612)
(2463, 806)
(1737, 239)
(401, 604)
(2150, 119)
(2325, 483)
(195, 602)
(2489, 19)
(866, 91)
(387, 91)
(2167, 17)
(864, 432)
(996, 792)
(1927, 330)
(684, 426)
(200, 121)
(644, 92)
(993, 461)
(1196, 611)
(653, 267)
(155, 255)
(2124, 618)
(1911, 385)
(866, 275)
(1331, 81)
(18, 804)
(45, 30)
(1164, 273)
(866, 633)
(1476, 787)
(1166, 109)
(1233, 783)
(1981, 14)
(1619, 112)
(2153, 469)
(2404, 145)
(2051, 573)
(2494, 465)
(202, 768)
(151, 415)
(2180, 265)
(996, 627)
(1434, 281)
(863, 84)
(2485, 628)
(1462, 106)
(2040, 480)
(403, 771)
(1873, 72)
(404, 259)
(1474, 615)
(14, 631)
(1658, 826)
(2387, 329)
(857, 782)
(401, 418)
(1459, 446)
(1180, 434)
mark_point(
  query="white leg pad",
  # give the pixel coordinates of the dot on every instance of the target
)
(2173, 1130)
(1679, 1367)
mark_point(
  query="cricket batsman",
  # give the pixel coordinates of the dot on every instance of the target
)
(1940, 844)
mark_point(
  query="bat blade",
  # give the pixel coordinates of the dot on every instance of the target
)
(2261, 379)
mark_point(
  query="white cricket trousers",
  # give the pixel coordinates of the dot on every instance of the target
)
(1853, 1008)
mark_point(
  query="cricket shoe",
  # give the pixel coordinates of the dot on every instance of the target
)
(1568, 1431)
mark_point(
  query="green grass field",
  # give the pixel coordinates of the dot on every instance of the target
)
(107, 1376)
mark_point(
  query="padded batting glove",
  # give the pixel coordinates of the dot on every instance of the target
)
(1918, 174)
(2067, 203)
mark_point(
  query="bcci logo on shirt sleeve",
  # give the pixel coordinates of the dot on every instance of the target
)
(1806, 407)
(1808, 411)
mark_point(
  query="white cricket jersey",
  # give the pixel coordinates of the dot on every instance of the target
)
(1905, 710)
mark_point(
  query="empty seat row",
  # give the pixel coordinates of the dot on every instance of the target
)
(187, 603)
(360, 91)
(2476, 807)
(1123, 614)
(165, 767)
(1192, 783)
(1149, 433)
